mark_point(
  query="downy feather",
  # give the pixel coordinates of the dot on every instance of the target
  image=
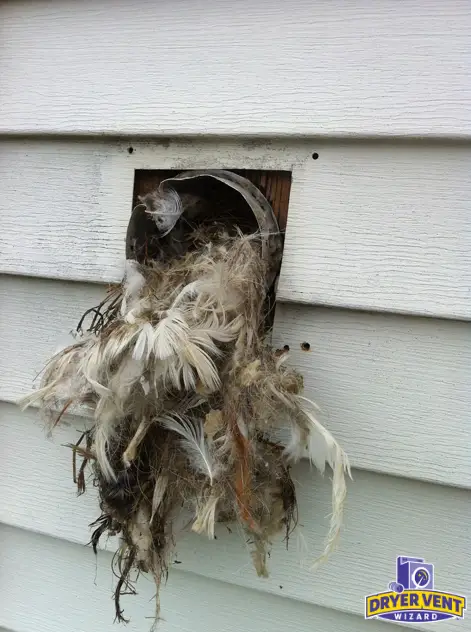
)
(61, 380)
(296, 447)
(165, 208)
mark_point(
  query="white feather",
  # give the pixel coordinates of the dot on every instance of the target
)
(144, 343)
(188, 376)
(145, 385)
(204, 340)
(203, 365)
(134, 281)
(214, 288)
(166, 375)
(91, 368)
(33, 398)
(118, 344)
(211, 292)
(122, 382)
(62, 382)
(206, 332)
(189, 291)
(170, 335)
(184, 351)
(295, 449)
(133, 284)
(322, 449)
(193, 441)
(166, 209)
(100, 447)
(108, 415)
(206, 518)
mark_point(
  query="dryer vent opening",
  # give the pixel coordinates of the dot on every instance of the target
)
(222, 203)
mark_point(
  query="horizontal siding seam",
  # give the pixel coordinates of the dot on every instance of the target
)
(354, 464)
(297, 299)
(241, 135)
(188, 572)
(282, 298)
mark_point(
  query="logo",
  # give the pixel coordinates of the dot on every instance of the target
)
(412, 596)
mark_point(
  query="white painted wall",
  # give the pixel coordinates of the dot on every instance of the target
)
(376, 277)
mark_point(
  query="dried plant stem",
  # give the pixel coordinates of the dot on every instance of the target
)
(130, 453)
(63, 411)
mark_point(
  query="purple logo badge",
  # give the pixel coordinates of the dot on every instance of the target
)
(412, 597)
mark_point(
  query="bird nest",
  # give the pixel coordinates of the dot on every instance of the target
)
(185, 391)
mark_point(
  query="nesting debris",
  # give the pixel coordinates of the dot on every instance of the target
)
(187, 396)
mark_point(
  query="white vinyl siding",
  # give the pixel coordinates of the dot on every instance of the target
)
(375, 277)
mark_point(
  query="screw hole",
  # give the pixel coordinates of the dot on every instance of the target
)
(286, 348)
(305, 346)
(315, 155)
(130, 150)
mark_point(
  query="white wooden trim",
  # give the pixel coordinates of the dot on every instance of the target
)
(320, 68)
